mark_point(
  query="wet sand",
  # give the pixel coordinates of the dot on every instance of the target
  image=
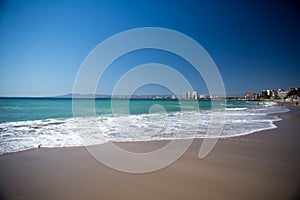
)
(263, 165)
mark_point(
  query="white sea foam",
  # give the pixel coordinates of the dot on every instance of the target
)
(23, 135)
(242, 108)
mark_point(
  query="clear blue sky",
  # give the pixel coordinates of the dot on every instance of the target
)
(255, 44)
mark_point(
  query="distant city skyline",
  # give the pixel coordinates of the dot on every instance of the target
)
(255, 44)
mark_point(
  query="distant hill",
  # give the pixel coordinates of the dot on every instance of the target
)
(82, 96)
(106, 96)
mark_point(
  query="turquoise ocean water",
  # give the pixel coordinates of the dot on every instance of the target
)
(23, 109)
(26, 123)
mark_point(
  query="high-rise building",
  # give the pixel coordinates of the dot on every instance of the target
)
(195, 95)
(266, 93)
(190, 95)
(249, 95)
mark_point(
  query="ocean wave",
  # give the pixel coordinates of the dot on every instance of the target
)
(66, 132)
(243, 108)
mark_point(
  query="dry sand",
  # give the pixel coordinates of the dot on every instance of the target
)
(263, 165)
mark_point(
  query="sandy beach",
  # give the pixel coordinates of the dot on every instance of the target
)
(263, 165)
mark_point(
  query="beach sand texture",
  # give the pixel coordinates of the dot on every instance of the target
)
(263, 165)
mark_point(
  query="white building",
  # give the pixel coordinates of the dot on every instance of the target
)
(282, 93)
(203, 96)
(190, 95)
(195, 95)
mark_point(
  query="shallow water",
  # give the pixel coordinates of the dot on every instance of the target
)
(27, 123)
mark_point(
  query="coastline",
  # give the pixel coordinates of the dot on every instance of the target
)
(261, 165)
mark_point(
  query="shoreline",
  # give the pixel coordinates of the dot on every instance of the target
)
(38, 144)
(261, 165)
